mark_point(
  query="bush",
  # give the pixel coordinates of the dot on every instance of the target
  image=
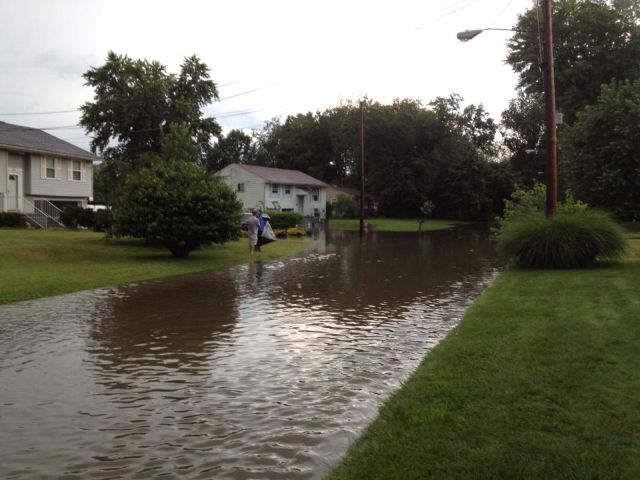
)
(74, 217)
(284, 219)
(570, 239)
(177, 205)
(295, 232)
(11, 219)
(344, 206)
(103, 220)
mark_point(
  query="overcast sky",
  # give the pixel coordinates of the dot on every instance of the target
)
(272, 58)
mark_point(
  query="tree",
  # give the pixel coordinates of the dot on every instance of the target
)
(235, 147)
(413, 154)
(523, 137)
(595, 41)
(176, 204)
(472, 122)
(101, 193)
(602, 161)
(344, 206)
(136, 103)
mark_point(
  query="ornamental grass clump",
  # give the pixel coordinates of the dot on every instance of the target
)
(573, 238)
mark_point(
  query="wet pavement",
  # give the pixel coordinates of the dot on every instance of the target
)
(267, 370)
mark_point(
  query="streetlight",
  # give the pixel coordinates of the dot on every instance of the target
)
(470, 34)
(546, 38)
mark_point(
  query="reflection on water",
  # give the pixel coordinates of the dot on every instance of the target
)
(268, 370)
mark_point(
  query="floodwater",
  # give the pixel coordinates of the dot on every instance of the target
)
(268, 370)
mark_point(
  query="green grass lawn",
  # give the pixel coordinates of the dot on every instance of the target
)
(38, 263)
(391, 224)
(540, 380)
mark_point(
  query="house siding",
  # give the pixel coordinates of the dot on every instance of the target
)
(60, 186)
(254, 186)
(258, 192)
(4, 164)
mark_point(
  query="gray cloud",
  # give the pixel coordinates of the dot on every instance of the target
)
(66, 65)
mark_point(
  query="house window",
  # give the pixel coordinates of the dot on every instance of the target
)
(77, 170)
(316, 197)
(287, 189)
(275, 188)
(51, 168)
(241, 187)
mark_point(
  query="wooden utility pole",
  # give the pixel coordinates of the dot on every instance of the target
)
(550, 110)
(361, 168)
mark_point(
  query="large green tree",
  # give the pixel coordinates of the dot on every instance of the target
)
(595, 41)
(137, 102)
(441, 153)
(234, 147)
(602, 160)
(470, 121)
(523, 138)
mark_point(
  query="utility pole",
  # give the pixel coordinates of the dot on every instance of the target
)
(361, 168)
(550, 109)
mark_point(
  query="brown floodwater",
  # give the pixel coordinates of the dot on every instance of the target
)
(268, 370)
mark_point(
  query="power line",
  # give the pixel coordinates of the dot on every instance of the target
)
(53, 112)
(459, 8)
(19, 114)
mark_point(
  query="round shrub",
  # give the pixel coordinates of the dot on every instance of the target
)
(11, 219)
(571, 239)
(284, 219)
(76, 216)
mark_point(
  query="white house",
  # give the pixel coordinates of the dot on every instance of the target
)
(40, 173)
(276, 188)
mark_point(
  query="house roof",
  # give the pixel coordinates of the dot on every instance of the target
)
(283, 176)
(33, 140)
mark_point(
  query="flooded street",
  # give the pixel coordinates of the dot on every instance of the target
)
(268, 370)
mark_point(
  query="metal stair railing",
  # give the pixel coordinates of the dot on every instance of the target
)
(37, 216)
(49, 209)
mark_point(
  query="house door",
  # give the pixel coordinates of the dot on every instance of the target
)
(301, 204)
(12, 193)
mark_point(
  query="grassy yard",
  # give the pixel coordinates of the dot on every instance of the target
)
(391, 224)
(37, 263)
(540, 380)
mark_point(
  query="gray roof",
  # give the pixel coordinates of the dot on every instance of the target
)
(32, 140)
(282, 176)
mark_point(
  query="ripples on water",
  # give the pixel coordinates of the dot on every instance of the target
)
(260, 371)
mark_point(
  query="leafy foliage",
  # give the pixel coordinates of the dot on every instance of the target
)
(284, 220)
(235, 147)
(136, 103)
(523, 203)
(75, 216)
(178, 205)
(602, 161)
(98, 221)
(11, 219)
(575, 237)
(442, 152)
(344, 206)
(595, 41)
(524, 139)
(566, 240)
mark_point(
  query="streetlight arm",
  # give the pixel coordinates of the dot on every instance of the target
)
(470, 34)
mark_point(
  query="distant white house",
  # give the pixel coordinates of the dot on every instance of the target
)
(41, 174)
(276, 188)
